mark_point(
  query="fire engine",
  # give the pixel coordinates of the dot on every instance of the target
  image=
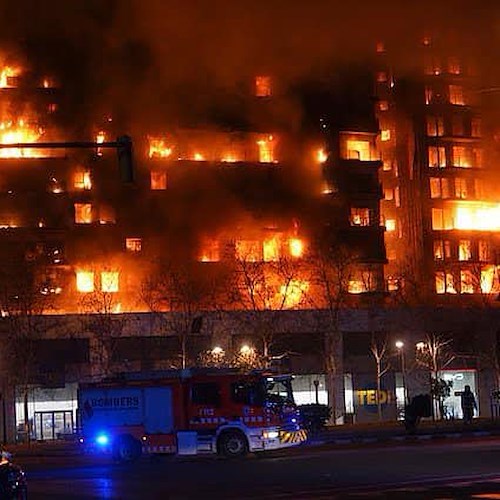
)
(189, 412)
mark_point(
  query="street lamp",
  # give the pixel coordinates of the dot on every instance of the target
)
(399, 346)
(246, 349)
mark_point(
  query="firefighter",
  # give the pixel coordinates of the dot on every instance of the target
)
(468, 402)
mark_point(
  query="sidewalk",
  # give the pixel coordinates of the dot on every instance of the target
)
(395, 431)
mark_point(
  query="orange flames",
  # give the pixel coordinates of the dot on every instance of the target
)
(158, 148)
(213, 146)
(13, 132)
(477, 216)
(321, 155)
(8, 76)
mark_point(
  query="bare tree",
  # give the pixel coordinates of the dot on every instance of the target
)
(262, 290)
(332, 268)
(101, 317)
(21, 305)
(379, 351)
(435, 354)
(178, 294)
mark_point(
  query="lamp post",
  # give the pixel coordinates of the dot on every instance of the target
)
(400, 347)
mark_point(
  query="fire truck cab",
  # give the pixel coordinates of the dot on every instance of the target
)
(189, 412)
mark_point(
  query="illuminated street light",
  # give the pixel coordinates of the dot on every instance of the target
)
(420, 346)
(246, 349)
(217, 351)
(399, 346)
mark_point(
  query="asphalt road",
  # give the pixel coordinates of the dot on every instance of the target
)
(451, 469)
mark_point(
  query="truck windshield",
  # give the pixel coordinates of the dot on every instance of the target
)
(279, 390)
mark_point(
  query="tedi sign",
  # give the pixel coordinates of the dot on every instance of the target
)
(372, 397)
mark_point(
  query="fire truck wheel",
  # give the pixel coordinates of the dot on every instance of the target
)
(233, 444)
(126, 449)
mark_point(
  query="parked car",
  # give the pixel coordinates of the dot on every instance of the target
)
(13, 485)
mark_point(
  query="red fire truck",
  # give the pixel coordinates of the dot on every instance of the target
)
(189, 412)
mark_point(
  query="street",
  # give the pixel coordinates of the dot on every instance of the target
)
(425, 470)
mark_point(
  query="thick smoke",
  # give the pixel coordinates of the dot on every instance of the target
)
(139, 57)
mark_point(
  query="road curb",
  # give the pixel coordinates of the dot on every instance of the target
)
(408, 438)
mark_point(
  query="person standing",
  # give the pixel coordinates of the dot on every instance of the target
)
(468, 402)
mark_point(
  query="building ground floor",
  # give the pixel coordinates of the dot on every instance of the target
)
(49, 405)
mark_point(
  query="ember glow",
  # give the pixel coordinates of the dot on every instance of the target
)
(321, 155)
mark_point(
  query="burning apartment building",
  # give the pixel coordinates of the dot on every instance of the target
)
(294, 227)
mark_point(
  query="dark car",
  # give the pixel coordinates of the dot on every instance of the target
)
(13, 484)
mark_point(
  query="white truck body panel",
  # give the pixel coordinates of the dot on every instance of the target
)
(102, 408)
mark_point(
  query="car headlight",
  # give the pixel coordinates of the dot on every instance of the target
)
(270, 434)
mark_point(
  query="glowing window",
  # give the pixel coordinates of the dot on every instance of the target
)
(158, 180)
(210, 251)
(271, 250)
(249, 250)
(83, 213)
(450, 283)
(435, 185)
(484, 251)
(85, 281)
(466, 281)
(437, 156)
(381, 76)
(488, 275)
(358, 150)
(464, 250)
(296, 247)
(266, 149)
(385, 135)
(390, 225)
(263, 86)
(82, 180)
(52, 107)
(438, 250)
(133, 244)
(107, 214)
(388, 194)
(461, 157)
(477, 157)
(447, 249)
(428, 95)
(442, 219)
(435, 126)
(440, 282)
(109, 281)
(456, 93)
(380, 47)
(475, 127)
(360, 216)
(461, 188)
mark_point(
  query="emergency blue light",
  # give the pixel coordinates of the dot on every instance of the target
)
(102, 439)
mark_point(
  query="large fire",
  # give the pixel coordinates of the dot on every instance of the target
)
(9, 76)
(20, 131)
(477, 216)
(214, 146)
